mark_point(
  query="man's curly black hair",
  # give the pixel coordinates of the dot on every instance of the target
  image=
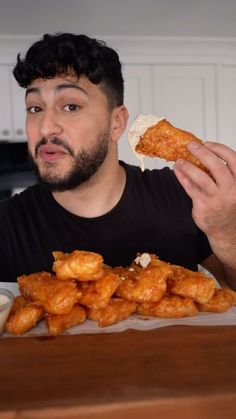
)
(66, 53)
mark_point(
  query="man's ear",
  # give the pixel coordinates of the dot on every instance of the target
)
(119, 121)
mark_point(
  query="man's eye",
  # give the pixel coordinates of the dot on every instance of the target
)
(71, 107)
(33, 109)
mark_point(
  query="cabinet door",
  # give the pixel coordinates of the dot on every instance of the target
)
(185, 95)
(138, 99)
(6, 132)
(227, 105)
(18, 110)
(12, 107)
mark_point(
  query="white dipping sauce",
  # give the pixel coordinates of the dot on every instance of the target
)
(138, 128)
(3, 300)
(6, 301)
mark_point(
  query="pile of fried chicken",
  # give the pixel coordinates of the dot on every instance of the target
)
(82, 286)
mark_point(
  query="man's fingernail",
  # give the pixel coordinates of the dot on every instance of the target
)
(179, 162)
(193, 145)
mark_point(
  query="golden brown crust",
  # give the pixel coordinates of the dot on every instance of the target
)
(116, 311)
(144, 284)
(195, 285)
(170, 306)
(221, 301)
(167, 142)
(79, 264)
(23, 316)
(97, 294)
(57, 324)
(56, 297)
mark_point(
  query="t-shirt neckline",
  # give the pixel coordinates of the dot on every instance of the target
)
(108, 214)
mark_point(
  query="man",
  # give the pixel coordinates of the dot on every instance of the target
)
(86, 199)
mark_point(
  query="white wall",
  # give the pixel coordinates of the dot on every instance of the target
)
(207, 18)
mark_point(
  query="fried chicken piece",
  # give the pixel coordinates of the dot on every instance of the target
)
(57, 324)
(170, 306)
(19, 302)
(187, 283)
(221, 301)
(80, 265)
(56, 297)
(97, 294)
(155, 261)
(167, 142)
(125, 273)
(23, 316)
(230, 295)
(144, 284)
(116, 311)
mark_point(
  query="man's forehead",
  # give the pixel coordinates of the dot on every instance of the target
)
(60, 83)
(60, 78)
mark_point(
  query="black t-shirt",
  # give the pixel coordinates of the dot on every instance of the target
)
(153, 215)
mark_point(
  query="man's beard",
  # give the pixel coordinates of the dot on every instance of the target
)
(85, 165)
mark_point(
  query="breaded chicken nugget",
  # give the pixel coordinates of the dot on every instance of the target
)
(23, 316)
(56, 297)
(96, 294)
(116, 310)
(80, 265)
(230, 295)
(19, 302)
(144, 284)
(170, 306)
(57, 324)
(168, 142)
(195, 285)
(221, 301)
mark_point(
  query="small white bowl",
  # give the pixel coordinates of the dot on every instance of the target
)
(6, 302)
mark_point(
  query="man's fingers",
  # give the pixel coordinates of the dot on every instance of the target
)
(219, 168)
(193, 179)
(225, 153)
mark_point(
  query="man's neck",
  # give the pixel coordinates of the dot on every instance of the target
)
(98, 195)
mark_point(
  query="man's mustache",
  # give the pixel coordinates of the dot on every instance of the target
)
(56, 141)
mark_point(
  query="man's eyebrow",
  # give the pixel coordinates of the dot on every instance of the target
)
(71, 86)
(59, 88)
(31, 90)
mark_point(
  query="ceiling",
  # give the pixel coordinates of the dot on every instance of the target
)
(178, 18)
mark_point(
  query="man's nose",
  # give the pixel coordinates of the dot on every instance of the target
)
(50, 124)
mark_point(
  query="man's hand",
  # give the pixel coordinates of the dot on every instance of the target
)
(213, 196)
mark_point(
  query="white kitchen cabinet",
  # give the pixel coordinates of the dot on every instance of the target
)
(18, 111)
(227, 105)
(138, 99)
(186, 96)
(12, 107)
(5, 105)
(183, 94)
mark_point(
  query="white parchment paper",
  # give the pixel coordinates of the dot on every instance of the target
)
(133, 322)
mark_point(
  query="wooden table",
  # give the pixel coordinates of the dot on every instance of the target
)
(180, 372)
